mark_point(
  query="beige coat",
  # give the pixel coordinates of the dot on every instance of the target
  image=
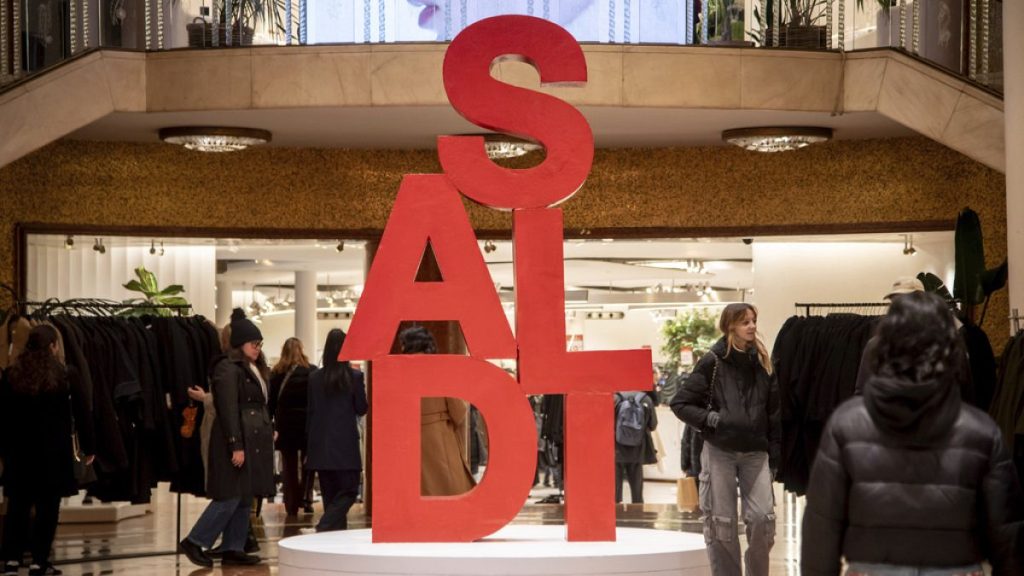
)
(445, 468)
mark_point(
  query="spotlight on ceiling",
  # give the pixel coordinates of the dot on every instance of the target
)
(152, 247)
(908, 245)
(776, 139)
(99, 247)
(214, 138)
(69, 242)
(161, 247)
(489, 247)
(341, 246)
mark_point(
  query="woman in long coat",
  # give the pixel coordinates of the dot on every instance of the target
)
(41, 404)
(241, 451)
(289, 396)
(337, 398)
(443, 431)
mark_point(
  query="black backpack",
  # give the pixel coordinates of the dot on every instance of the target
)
(630, 419)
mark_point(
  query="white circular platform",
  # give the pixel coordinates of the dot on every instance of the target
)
(513, 550)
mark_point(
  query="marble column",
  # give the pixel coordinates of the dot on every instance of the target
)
(305, 309)
(224, 301)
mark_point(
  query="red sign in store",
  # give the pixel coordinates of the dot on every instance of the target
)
(429, 210)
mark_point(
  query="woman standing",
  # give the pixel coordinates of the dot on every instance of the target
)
(732, 398)
(41, 406)
(443, 421)
(241, 451)
(289, 396)
(337, 398)
(908, 478)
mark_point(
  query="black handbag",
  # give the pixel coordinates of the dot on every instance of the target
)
(84, 473)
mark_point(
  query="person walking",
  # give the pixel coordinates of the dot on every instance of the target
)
(910, 479)
(41, 405)
(289, 397)
(240, 451)
(634, 421)
(733, 399)
(337, 398)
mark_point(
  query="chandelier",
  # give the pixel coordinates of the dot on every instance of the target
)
(213, 138)
(776, 139)
(500, 146)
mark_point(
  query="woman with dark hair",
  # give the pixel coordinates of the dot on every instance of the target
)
(909, 479)
(337, 398)
(41, 406)
(241, 450)
(733, 399)
(289, 395)
(444, 469)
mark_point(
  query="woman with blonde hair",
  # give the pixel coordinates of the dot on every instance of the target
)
(289, 394)
(733, 400)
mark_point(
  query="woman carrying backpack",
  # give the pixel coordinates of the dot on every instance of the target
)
(732, 398)
(634, 421)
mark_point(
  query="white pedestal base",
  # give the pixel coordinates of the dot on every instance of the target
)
(514, 550)
(93, 513)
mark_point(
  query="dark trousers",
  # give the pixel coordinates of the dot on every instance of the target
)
(634, 474)
(293, 486)
(339, 488)
(16, 526)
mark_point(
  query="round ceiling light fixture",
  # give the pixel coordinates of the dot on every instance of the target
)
(213, 138)
(776, 138)
(500, 146)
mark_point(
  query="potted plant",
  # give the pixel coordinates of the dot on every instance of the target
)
(241, 17)
(687, 337)
(153, 296)
(802, 23)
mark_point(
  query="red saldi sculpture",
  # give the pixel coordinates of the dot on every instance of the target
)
(428, 209)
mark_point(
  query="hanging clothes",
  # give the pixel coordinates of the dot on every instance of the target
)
(816, 360)
(1007, 407)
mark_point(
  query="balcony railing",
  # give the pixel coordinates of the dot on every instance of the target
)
(962, 36)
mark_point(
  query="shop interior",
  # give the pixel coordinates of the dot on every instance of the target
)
(620, 294)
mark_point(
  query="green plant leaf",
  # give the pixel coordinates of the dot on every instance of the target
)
(172, 290)
(174, 301)
(134, 286)
(148, 280)
(970, 258)
(935, 285)
(994, 279)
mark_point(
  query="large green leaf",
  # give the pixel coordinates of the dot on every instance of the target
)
(172, 290)
(134, 286)
(970, 258)
(994, 279)
(148, 280)
(174, 301)
(935, 285)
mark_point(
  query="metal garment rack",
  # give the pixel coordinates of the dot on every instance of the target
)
(1015, 318)
(110, 308)
(867, 308)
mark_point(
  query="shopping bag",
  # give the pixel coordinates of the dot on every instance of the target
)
(686, 494)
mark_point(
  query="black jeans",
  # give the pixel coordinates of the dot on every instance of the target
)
(634, 474)
(16, 526)
(339, 488)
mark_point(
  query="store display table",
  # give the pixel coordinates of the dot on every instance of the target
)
(513, 550)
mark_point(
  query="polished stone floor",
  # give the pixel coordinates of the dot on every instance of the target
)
(94, 549)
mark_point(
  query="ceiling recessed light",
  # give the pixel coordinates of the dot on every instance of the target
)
(214, 138)
(776, 138)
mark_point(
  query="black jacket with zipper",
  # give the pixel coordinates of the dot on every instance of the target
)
(745, 396)
(910, 475)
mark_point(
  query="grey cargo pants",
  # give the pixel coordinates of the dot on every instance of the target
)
(721, 470)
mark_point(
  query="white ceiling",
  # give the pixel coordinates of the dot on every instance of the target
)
(598, 264)
(418, 127)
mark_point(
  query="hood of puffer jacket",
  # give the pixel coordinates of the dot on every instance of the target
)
(734, 356)
(919, 413)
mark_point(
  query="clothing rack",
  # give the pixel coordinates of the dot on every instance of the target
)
(865, 307)
(107, 308)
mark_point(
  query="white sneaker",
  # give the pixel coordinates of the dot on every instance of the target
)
(11, 568)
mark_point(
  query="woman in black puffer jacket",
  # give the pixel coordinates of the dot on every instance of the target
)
(908, 476)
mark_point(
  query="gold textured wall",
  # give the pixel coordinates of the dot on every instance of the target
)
(688, 190)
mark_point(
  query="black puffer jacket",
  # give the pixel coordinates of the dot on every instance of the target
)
(909, 475)
(745, 396)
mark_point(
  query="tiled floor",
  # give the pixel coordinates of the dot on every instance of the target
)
(92, 549)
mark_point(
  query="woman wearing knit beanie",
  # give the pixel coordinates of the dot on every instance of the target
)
(241, 450)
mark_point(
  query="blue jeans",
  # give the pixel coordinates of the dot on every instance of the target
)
(865, 569)
(230, 517)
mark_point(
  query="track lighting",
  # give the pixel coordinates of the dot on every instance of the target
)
(341, 246)
(489, 247)
(152, 247)
(69, 242)
(99, 247)
(161, 247)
